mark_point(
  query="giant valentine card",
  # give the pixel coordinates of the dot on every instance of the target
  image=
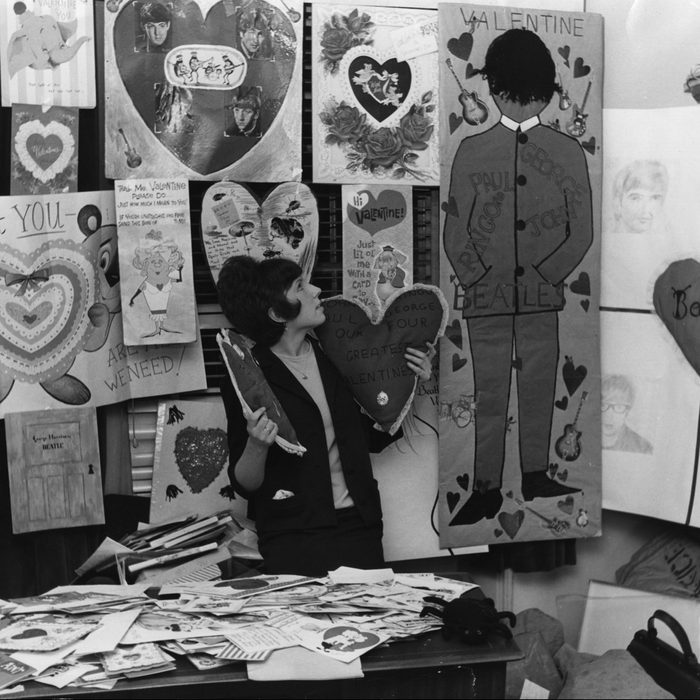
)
(203, 89)
(284, 224)
(48, 53)
(521, 132)
(375, 102)
(190, 467)
(44, 150)
(61, 342)
(377, 243)
(155, 262)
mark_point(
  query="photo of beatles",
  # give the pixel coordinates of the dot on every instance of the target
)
(152, 27)
(242, 116)
(254, 34)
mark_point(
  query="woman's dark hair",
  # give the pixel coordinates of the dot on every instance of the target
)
(248, 288)
(519, 67)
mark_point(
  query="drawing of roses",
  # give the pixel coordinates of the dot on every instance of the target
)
(345, 124)
(416, 129)
(383, 148)
(340, 34)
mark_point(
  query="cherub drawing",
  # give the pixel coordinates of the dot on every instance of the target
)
(392, 276)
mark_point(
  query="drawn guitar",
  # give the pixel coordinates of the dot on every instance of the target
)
(568, 446)
(133, 159)
(564, 99)
(576, 126)
(474, 109)
(293, 14)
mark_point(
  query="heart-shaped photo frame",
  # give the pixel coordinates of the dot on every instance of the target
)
(370, 353)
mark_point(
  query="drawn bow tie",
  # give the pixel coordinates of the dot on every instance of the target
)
(27, 282)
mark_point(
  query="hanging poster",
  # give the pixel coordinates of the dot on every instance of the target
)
(48, 53)
(155, 262)
(44, 150)
(520, 375)
(377, 244)
(190, 464)
(375, 107)
(234, 222)
(203, 89)
(60, 311)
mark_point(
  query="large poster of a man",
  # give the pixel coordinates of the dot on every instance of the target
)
(520, 263)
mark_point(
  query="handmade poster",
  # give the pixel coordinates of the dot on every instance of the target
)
(284, 224)
(60, 311)
(521, 191)
(48, 52)
(377, 243)
(190, 464)
(155, 261)
(375, 106)
(44, 150)
(203, 89)
(53, 461)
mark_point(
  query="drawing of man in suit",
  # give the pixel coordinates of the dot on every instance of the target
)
(522, 224)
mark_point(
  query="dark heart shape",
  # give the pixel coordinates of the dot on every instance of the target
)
(371, 355)
(580, 68)
(30, 318)
(195, 134)
(563, 475)
(450, 208)
(497, 532)
(380, 88)
(452, 500)
(585, 303)
(462, 47)
(552, 469)
(511, 522)
(200, 455)
(672, 302)
(470, 71)
(337, 639)
(457, 362)
(44, 150)
(590, 145)
(567, 505)
(581, 285)
(455, 121)
(454, 333)
(390, 201)
(509, 494)
(565, 52)
(562, 403)
(31, 633)
(517, 363)
(463, 481)
(573, 376)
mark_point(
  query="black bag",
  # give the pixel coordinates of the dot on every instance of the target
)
(675, 671)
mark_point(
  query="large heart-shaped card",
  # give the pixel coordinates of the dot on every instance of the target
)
(370, 354)
(235, 223)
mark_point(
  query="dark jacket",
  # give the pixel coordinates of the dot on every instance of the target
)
(308, 476)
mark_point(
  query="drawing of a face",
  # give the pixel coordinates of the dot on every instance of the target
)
(639, 208)
(243, 116)
(639, 191)
(614, 407)
(157, 269)
(251, 39)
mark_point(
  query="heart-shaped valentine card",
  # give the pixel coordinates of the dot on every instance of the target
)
(380, 88)
(200, 455)
(370, 354)
(374, 214)
(235, 223)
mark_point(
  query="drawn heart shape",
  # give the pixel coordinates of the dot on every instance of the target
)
(234, 222)
(44, 149)
(390, 201)
(517, 363)
(497, 532)
(370, 354)
(585, 303)
(470, 71)
(200, 455)
(563, 475)
(457, 362)
(590, 145)
(673, 300)
(197, 118)
(452, 500)
(450, 208)
(509, 494)
(552, 469)
(346, 639)
(453, 332)
(573, 376)
(567, 505)
(30, 318)
(461, 47)
(581, 69)
(562, 403)
(463, 481)
(581, 285)
(511, 522)
(565, 52)
(30, 633)
(455, 122)
(57, 283)
(380, 88)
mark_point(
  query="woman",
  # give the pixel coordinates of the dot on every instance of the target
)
(322, 510)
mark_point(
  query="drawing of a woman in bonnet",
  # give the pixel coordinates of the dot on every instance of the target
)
(392, 276)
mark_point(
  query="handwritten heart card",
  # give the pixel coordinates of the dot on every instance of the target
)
(375, 112)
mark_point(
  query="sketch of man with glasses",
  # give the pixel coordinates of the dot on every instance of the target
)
(618, 395)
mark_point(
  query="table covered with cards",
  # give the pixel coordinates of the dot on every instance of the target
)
(350, 632)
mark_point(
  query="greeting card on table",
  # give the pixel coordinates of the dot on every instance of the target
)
(48, 53)
(203, 89)
(44, 150)
(375, 107)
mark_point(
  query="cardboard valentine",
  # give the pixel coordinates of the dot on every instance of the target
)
(370, 353)
(203, 89)
(234, 223)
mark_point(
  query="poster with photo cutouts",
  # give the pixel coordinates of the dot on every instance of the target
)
(521, 134)
(48, 52)
(61, 315)
(377, 243)
(155, 262)
(44, 150)
(375, 110)
(203, 89)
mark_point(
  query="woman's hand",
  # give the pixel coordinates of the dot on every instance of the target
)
(261, 430)
(421, 363)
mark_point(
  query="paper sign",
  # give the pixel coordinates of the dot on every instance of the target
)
(225, 212)
(416, 39)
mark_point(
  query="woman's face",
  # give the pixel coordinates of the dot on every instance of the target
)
(157, 269)
(311, 314)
